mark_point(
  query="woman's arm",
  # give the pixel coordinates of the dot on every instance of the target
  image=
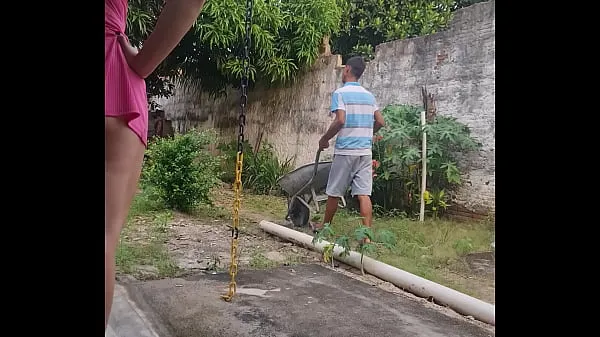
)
(174, 21)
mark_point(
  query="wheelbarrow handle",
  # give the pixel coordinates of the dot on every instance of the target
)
(292, 199)
(316, 162)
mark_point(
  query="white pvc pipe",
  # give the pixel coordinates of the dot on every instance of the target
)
(458, 301)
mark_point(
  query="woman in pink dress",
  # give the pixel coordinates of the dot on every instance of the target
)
(126, 111)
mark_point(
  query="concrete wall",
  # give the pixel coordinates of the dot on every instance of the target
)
(456, 65)
(292, 119)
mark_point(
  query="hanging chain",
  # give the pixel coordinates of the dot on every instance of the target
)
(237, 185)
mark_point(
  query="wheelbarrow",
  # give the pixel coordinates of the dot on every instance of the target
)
(303, 186)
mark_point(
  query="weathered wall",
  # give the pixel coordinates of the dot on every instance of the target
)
(292, 119)
(456, 65)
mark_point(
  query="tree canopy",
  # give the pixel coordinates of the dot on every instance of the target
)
(367, 23)
(286, 36)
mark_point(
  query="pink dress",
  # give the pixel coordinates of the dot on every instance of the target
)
(124, 90)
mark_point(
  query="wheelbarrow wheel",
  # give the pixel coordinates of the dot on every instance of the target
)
(298, 213)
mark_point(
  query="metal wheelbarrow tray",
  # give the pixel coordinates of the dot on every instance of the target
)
(301, 186)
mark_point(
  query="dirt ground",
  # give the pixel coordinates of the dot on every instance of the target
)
(205, 244)
(199, 244)
(202, 243)
(478, 274)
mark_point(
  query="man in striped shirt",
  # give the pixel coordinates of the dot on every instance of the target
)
(356, 118)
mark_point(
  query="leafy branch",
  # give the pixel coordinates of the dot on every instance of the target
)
(366, 241)
(285, 36)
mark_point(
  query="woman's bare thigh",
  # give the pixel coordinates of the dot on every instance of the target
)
(123, 157)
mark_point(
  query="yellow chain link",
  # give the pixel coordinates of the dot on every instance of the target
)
(237, 189)
(237, 185)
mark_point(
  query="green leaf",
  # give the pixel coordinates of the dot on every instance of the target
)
(387, 238)
(285, 40)
(363, 232)
(366, 248)
(397, 185)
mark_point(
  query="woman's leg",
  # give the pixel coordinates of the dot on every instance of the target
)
(123, 157)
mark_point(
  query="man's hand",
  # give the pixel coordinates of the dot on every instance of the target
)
(323, 143)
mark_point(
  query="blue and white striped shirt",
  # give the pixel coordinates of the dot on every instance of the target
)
(356, 136)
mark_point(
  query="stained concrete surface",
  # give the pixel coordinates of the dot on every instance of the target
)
(126, 318)
(299, 301)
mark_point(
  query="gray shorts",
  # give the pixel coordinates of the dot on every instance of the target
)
(346, 170)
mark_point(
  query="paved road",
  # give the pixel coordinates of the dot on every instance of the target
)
(300, 301)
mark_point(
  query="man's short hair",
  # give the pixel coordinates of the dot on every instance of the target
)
(357, 66)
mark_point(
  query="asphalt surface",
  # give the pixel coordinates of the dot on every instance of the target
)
(299, 301)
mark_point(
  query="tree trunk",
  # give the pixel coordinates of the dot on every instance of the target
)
(325, 48)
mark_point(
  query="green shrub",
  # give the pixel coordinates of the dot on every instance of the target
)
(228, 157)
(463, 246)
(260, 171)
(398, 178)
(182, 169)
(382, 237)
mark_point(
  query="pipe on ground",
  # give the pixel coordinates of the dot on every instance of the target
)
(458, 301)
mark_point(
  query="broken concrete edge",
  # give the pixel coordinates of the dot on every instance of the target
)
(455, 300)
(138, 305)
